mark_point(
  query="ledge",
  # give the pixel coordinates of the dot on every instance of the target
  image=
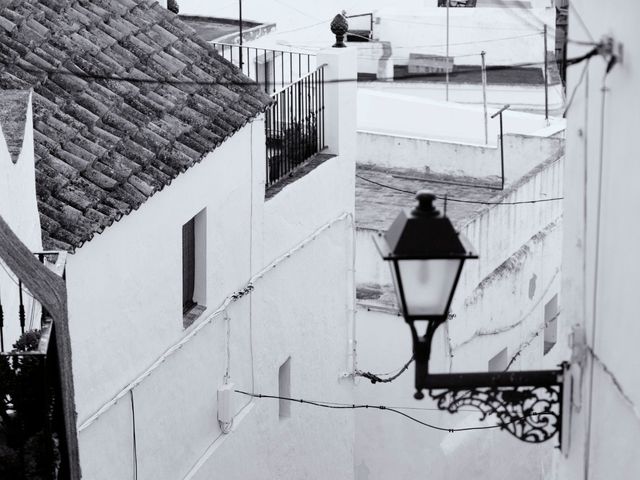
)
(308, 166)
(192, 315)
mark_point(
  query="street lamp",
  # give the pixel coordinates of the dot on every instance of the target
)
(426, 255)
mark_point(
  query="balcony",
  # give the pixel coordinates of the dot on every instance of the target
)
(34, 428)
(294, 126)
(273, 69)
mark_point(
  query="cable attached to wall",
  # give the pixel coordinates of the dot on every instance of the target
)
(376, 378)
(134, 439)
(248, 288)
(248, 83)
(354, 406)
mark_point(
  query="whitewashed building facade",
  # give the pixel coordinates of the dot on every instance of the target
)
(186, 275)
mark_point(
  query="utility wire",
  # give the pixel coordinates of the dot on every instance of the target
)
(461, 200)
(377, 379)
(473, 27)
(513, 11)
(577, 14)
(575, 88)
(346, 406)
(490, 40)
(302, 28)
(249, 82)
(291, 7)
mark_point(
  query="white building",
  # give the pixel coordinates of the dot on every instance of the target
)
(600, 261)
(505, 310)
(184, 274)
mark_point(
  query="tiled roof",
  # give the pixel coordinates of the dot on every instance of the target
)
(13, 115)
(377, 206)
(104, 146)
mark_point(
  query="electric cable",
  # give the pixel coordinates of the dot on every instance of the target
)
(596, 278)
(575, 88)
(461, 200)
(490, 40)
(302, 28)
(473, 27)
(513, 11)
(291, 7)
(134, 442)
(249, 82)
(577, 14)
(377, 379)
(209, 319)
(354, 406)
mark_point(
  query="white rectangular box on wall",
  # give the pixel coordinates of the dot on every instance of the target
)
(225, 404)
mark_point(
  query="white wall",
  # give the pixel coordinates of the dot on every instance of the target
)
(508, 35)
(599, 269)
(302, 309)
(133, 312)
(397, 114)
(18, 188)
(19, 209)
(521, 154)
(495, 307)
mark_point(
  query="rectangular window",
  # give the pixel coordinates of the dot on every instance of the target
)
(284, 388)
(193, 268)
(499, 362)
(188, 264)
(551, 324)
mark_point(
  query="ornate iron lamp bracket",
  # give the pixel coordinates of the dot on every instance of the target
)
(526, 404)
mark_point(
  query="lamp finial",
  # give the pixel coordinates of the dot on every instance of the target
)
(425, 207)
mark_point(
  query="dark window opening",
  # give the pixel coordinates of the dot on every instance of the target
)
(188, 265)
(284, 389)
(551, 324)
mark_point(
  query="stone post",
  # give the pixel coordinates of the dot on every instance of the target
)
(340, 99)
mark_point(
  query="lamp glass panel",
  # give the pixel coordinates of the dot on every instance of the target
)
(427, 284)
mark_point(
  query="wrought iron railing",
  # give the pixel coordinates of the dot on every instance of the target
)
(32, 439)
(272, 69)
(19, 311)
(294, 125)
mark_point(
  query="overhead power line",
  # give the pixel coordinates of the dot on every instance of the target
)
(346, 406)
(455, 25)
(249, 82)
(460, 200)
(488, 40)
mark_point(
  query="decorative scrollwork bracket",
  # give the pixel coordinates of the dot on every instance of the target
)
(526, 404)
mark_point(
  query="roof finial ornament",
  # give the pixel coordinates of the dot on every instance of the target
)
(339, 27)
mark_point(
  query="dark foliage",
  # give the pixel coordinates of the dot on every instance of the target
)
(296, 143)
(27, 446)
(172, 6)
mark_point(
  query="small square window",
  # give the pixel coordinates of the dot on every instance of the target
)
(193, 268)
(284, 388)
(550, 324)
(499, 362)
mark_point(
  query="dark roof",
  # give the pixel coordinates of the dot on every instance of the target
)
(104, 146)
(378, 206)
(212, 28)
(381, 192)
(13, 115)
